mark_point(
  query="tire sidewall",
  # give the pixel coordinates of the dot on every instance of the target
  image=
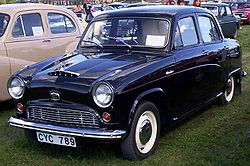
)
(224, 101)
(145, 106)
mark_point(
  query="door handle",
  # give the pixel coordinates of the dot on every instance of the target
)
(169, 72)
(78, 37)
(46, 41)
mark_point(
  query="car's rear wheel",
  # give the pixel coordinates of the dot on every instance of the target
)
(229, 91)
(144, 135)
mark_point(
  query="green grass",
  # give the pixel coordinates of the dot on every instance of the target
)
(215, 136)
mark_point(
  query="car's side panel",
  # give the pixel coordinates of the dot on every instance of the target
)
(5, 72)
(184, 93)
(212, 68)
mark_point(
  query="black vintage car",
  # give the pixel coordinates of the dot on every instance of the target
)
(136, 71)
(230, 23)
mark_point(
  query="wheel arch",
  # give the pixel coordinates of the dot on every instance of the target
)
(158, 97)
(237, 73)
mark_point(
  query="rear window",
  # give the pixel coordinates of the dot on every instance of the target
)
(60, 23)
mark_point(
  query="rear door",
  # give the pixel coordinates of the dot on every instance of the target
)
(212, 63)
(64, 32)
(227, 21)
(184, 92)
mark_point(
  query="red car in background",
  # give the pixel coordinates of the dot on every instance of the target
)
(242, 9)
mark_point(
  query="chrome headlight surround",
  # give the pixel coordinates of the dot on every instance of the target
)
(16, 84)
(103, 94)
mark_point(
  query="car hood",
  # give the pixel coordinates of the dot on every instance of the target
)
(79, 72)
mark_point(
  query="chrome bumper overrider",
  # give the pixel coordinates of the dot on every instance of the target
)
(89, 133)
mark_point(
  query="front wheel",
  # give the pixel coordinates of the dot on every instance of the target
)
(229, 91)
(143, 138)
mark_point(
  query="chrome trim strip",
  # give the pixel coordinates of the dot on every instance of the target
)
(234, 71)
(89, 133)
(169, 72)
(220, 94)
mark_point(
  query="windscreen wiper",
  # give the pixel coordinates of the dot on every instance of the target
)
(119, 40)
(91, 41)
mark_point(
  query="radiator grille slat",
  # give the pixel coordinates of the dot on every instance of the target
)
(80, 118)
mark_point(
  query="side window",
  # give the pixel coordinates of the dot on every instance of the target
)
(223, 11)
(229, 12)
(177, 41)
(185, 33)
(59, 23)
(28, 25)
(18, 30)
(209, 32)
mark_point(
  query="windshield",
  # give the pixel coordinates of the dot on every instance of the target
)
(4, 21)
(128, 32)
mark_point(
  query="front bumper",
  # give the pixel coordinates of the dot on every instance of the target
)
(88, 133)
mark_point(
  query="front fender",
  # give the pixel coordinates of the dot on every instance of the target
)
(139, 98)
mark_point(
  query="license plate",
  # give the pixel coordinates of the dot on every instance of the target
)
(56, 139)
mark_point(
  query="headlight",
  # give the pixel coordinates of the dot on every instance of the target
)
(16, 87)
(103, 95)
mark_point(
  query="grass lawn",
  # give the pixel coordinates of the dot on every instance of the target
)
(216, 136)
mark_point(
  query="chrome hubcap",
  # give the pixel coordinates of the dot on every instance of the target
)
(229, 86)
(229, 92)
(145, 131)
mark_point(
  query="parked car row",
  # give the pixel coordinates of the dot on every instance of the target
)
(30, 33)
(133, 74)
(230, 24)
(241, 9)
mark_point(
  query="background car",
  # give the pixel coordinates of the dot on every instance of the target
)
(229, 23)
(118, 5)
(235, 5)
(99, 9)
(244, 13)
(34, 32)
(142, 4)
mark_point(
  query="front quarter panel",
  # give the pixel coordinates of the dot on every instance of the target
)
(137, 85)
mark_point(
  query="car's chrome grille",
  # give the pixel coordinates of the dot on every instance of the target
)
(80, 118)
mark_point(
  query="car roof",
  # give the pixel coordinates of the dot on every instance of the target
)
(15, 8)
(213, 4)
(154, 11)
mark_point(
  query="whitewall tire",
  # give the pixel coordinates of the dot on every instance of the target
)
(143, 138)
(229, 91)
